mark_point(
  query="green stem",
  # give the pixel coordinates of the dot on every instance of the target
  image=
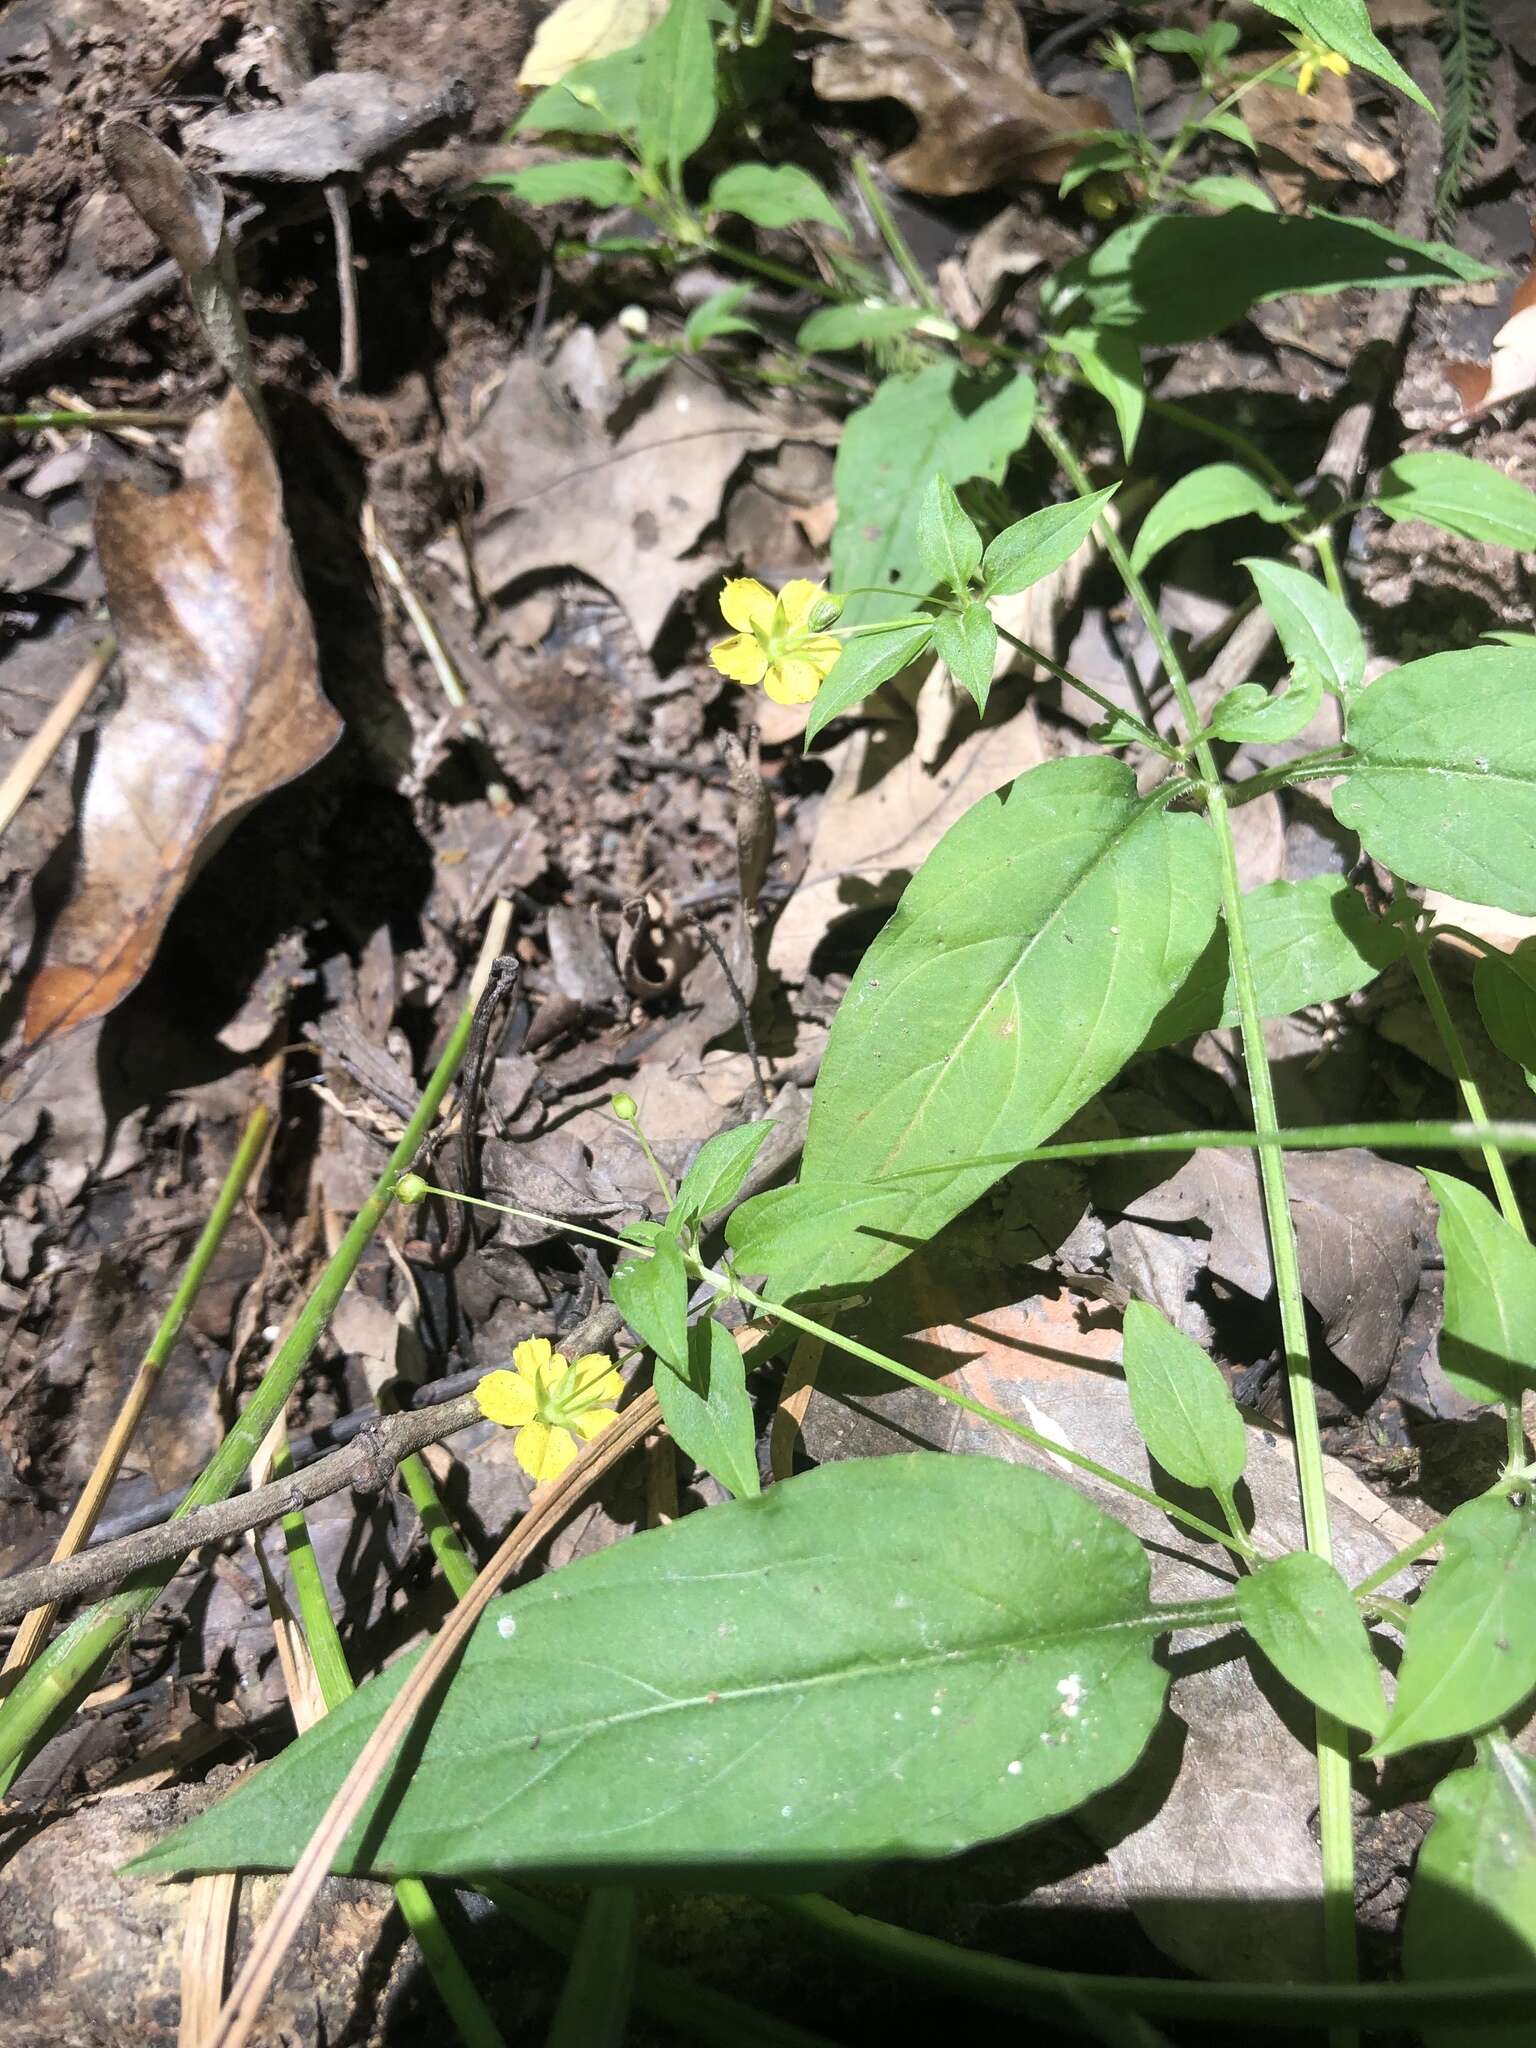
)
(1519, 1140)
(1015, 1987)
(1305, 768)
(68, 1668)
(1334, 1817)
(1065, 675)
(892, 236)
(776, 273)
(595, 1998)
(124, 416)
(1191, 128)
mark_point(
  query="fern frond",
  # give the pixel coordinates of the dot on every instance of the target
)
(1468, 52)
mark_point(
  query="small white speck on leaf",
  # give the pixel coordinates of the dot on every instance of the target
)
(506, 1628)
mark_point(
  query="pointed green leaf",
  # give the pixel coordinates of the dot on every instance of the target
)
(600, 97)
(1023, 966)
(1345, 26)
(1182, 1405)
(1316, 630)
(886, 1657)
(675, 99)
(1111, 152)
(1443, 789)
(1488, 1343)
(773, 196)
(966, 643)
(1472, 1910)
(944, 421)
(1032, 547)
(1250, 713)
(1505, 987)
(1223, 121)
(1304, 1618)
(719, 1168)
(836, 327)
(650, 1291)
(947, 538)
(1110, 359)
(864, 665)
(1460, 496)
(1470, 1653)
(1206, 497)
(708, 1411)
(601, 181)
(1223, 190)
(717, 315)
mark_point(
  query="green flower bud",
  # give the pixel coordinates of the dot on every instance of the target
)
(410, 1187)
(826, 611)
(625, 1108)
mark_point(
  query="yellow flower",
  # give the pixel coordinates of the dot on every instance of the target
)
(550, 1403)
(774, 642)
(1316, 56)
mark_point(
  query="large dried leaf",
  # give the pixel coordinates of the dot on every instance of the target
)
(982, 118)
(222, 704)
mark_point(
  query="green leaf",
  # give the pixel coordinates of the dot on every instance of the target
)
(675, 99)
(1111, 152)
(1181, 277)
(773, 196)
(1488, 1342)
(836, 327)
(1206, 497)
(1022, 967)
(943, 421)
(1222, 190)
(1460, 496)
(1316, 630)
(1443, 787)
(1472, 1907)
(947, 538)
(716, 315)
(1469, 1655)
(1182, 1405)
(966, 643)
(1223, 121)
(1311, 942)
(1032, 547)
(650, 1291)
(600, 97)
(601, 181)
(1505, 987)
(887, 1657)
(1303, 1617)
(1250, 713)
(864, 665)
(708, 1411)
(1111, 361)
(721, 1165)
(1344, 25)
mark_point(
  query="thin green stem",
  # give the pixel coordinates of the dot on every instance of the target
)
(1065, 675)
(1305, 768)
(1409, 1554)
(1518, 1140)
(776, 273)
(1335, 1824)
(1015, 1987)
(892, 236)
(1213, 430)
(68, 1668)
(124, 416)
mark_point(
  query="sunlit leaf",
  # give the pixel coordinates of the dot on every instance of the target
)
(1316, 630)
(1303, 1617)
(1488, 1342)
(1206, 497)
(1461, 496)
(708, 1411)
(1182, 1405)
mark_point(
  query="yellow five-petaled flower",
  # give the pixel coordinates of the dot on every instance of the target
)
(550, 1403)
(1316, 56)
(775, 643)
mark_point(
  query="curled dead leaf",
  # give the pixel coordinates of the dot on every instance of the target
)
(222, 704)
(982, 117)
(1511, 369)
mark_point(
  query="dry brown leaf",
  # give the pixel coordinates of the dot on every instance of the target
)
(1313, 139)
(579, 30)
(624, 510)
(982, 118)
(1511, 369)
(222, 704)
(872, 834)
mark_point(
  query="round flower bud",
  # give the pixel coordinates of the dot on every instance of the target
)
(410, 1187)
(625, 1108)
(826, 611)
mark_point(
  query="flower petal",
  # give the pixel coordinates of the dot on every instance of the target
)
(593, 1379)
(593, 1423)
(544, 1452)
(745, 603)
(505, 1397)
(740, 658)
(822, 651)
(532, 1353)
(796, 599)
(1336, 63)
(793, 681)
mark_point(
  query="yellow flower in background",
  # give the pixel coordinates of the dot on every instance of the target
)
(553, 1405)
(1315, 57)
(775, 643)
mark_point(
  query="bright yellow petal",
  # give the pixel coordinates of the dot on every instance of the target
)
(593, 1378)
(821, 652)
(593, 1423)
(544, 1452)
(740, 658)
(1336, 63)
(1305, 78)
(745, 603)
(505, 1397)
(793, 681)
(796, 599)
(530, 1355)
